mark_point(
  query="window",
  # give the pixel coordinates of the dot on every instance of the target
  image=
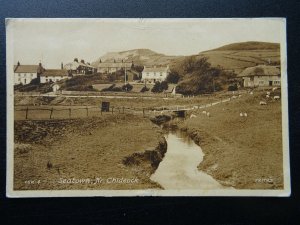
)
(160, 73)
(31, 75)
(154, 74)
(46, 80)
(276, 82)
(62, 76)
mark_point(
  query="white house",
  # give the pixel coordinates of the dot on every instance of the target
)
(153, 74)
(53, 75)
(261, 76)
(24, 74)
(111, 67)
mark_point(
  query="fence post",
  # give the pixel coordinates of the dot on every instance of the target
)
(87, 111)
(51, 111)
(70, 112)
(26, 113)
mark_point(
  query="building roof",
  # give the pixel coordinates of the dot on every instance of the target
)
(156, 69)
(74, 65)
(260, 70)
(26, 68)
(114, 65)
(55, 72)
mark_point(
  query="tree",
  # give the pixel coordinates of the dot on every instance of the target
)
(159, 86)
(173, 77)
(164, 85)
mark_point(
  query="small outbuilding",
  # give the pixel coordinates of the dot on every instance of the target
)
(261, 76)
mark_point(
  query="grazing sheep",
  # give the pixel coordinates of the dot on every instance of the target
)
(241, 114)
(193, 116)
(240, 96)
(268, 93)
(267, 96)
(276, 97)
(204, 112)
(208, 114)
(245, 114)
(251, 93)
(233, 96)
(274, 89)
(262, 103)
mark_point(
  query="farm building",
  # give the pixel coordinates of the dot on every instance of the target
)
(111, 67)
(24, 74)
(153, 74)
(261, 76)
(53, 75)
(79, 68)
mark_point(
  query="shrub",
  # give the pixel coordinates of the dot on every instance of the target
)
(144, 89)
(127, 87)
(232, 87)
(159, 87)
(173, 77)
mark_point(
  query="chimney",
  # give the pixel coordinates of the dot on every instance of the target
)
(114, 60)
(100, 61)
(62, 66)
(82, 61)
(76, 60)
(18, 63)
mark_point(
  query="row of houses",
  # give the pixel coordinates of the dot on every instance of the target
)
(261, 75)
(24, 74)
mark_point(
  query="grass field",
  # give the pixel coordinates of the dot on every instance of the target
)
(48, 151)
(241, 151)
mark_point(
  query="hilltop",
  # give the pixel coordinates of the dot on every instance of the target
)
(138, 56)
(249, 45)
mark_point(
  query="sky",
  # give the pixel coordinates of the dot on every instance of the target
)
(53, 41)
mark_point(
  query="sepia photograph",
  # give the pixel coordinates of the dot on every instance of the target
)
(147, 107)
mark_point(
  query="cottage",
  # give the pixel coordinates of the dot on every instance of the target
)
(112, 67)
(153, 74)
(79, 68)
(24, 74)
(53, 75)
(261, 76)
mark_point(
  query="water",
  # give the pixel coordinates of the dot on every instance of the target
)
(178, 169)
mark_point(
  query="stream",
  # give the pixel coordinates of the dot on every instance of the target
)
(178, 169)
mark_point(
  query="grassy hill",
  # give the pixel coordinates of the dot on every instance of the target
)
(138, 56)
(238, 56)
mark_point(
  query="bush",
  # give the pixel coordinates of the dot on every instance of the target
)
(159, 87)
(144, 89)
(232, 87)
(127, 87)
(173, 77)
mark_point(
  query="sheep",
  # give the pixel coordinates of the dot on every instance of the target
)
(193, 116)
(262, 103)
(233, 96)
(241, 114)
(268, 93)
(267, 96)
(208, 114)
(274, 89)
(245, 114)
(276, 97)
(251, 93)
(204, 112)
(240, 96)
